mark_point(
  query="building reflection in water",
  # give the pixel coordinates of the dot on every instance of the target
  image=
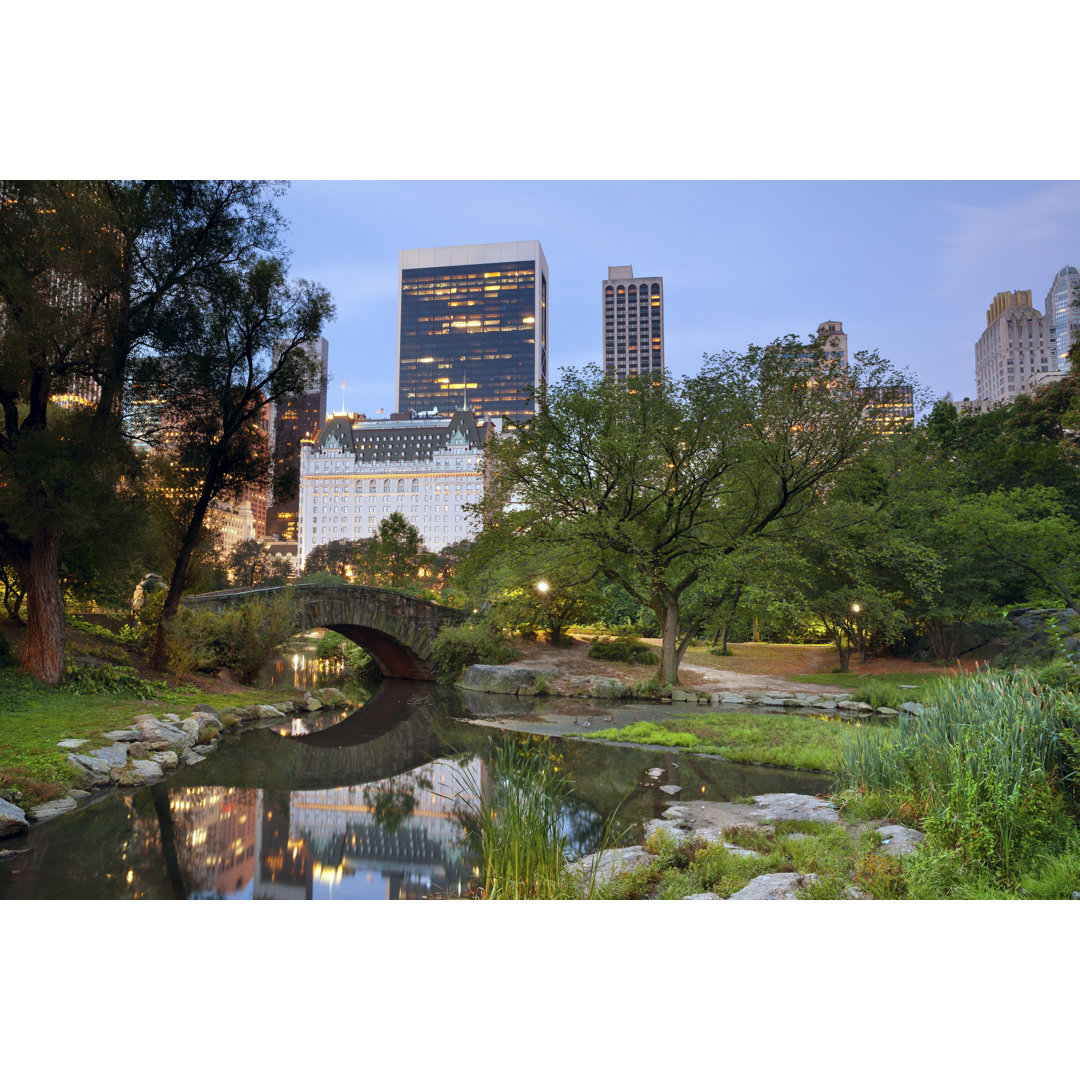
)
(402, 838)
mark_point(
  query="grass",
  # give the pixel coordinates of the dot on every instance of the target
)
(684, 868)
(797, 742)
(34, 717)
(983, 768)
(518, 821)
(922, 681)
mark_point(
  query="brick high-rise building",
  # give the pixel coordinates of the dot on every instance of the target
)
(1013, 355)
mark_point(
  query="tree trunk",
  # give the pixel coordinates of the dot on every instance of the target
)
(160, 655)
(46, 632)
(667, 613)
(723, 642)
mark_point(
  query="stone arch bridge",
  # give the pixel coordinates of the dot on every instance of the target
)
(397, 630)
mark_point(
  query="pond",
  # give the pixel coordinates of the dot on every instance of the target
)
(369, 805)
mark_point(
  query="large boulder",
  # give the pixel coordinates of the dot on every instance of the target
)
(329, 696)
(140, 772)
(896, 840)
(162, 735)
(499, 679)
(602, 868)
(12, 819)
(95, 770)
(775, 887)
(791, 807)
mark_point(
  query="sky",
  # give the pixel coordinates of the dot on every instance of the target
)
(909, 267)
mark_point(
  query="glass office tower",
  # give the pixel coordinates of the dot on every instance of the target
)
(1063, 316)
(472, 328)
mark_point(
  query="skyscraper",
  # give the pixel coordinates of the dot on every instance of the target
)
(295, 419)
(1063, 316)
(472, 328)
(633, 324)
(1013, 353)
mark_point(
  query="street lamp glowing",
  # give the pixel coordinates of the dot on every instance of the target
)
(542, 586)
(856, 608)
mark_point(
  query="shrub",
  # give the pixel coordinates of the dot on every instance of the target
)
(7, 657)
(1060, 674)
(240, 638)
(880, 694)
(109, 679)
(457, 647)
(628, 650)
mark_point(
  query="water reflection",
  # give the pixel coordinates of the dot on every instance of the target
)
(297, 667)
(373, 806)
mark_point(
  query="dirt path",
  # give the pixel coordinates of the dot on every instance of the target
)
(753, 665)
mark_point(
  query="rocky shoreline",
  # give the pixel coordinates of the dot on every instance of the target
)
(143, 752)
(534, 681)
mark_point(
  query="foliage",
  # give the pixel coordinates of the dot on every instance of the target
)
(981, 764)
(250, 564)
(518, 822)
(458, 647)
(650, 485)
(626, 649)
(240, 637)
(109, 679)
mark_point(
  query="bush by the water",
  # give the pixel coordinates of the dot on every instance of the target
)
(110, 679)
(984, 768)
(457, 647)
(240, 638)
(628, 650)
(335, 646)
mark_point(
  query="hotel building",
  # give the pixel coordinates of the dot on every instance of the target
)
(472, 323)
(359, 471)
(1063, 317)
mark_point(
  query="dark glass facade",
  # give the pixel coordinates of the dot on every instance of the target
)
(472, 333)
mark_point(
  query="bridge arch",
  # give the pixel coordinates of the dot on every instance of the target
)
(398, 631)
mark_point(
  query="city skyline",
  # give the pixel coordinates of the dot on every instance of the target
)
(909, 267)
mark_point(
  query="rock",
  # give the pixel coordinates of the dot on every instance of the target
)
(10, 853)
(1074, 896)
(773, 701)
(906, 686)
(12, 819)
(77, 793)
(897, 840)
(605, 688)
(775, 887)
(853, 892)
(656, 774)
(12, 795)
(49, 810)
(95, 771)
(682, 695)
(498, 679)
(789, 807)
(282, 707)
(190, 726)
(209, 720)
(912, 707)
(883, 711)
(116, 754)
(138, 750)
(167, 759)
(611, 862)
(854, 706)
(208, 709)
(310, 703)
(744, 853)
(702, 896)
(733, 699)
(123, 735)
(329, 696)
(670, 789)
(826, 705)
(676, 828)
(161, 735)
(72, 744)
(673, 813)
(268, 712)
(189, 757)
(140, 772)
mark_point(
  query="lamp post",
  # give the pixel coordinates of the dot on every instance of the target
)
(542, 586)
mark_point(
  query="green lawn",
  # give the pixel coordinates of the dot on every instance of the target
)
(33, 718)
(922, 681)
(798, 742)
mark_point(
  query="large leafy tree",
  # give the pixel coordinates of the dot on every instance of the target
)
(651, 484)
(236, 346)
(89, 271)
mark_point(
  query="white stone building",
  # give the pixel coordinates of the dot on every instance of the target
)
(359, 471)
(1013, 355)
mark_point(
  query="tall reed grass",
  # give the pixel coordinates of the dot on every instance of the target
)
(982, 763)
(518, 819)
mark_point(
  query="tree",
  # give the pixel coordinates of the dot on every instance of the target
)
(333, 557)
(250, 564)
(648, 484)
(88, 272)
(237, 345)
(400, 550)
